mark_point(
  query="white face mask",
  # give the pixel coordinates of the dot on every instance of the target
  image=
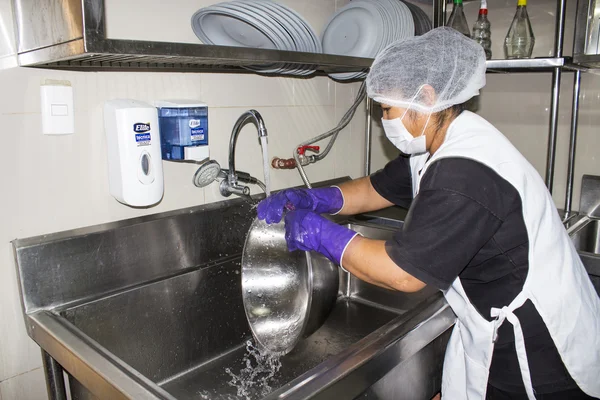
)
(397, 133)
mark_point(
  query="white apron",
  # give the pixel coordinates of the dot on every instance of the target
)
(557, 282)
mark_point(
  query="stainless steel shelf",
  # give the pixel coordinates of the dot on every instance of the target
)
(110, 54)
(525, 65)
(587, 61)
(84, 45)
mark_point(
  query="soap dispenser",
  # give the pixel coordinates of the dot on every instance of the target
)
(134, 157)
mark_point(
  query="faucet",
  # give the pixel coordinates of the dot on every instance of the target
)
(231, 185)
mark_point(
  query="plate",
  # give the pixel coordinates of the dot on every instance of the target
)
(258, 24)
(354, 30)
(222, 28)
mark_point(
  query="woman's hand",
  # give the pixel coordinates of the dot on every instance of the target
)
(305, 230)
(323, 200)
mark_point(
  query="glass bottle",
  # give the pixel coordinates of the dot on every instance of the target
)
(481, 30)
(458, 20)
(519, 40)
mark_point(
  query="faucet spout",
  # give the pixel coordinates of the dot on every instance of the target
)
(231, 185)
(250, 115)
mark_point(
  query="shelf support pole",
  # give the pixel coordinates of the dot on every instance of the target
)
(439, 13)
(572, 143)
(368, 136)
(556, 77)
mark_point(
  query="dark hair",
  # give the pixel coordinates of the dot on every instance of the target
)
(448, 114)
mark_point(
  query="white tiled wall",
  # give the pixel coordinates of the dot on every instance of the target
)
(27, 386)
(57, 183)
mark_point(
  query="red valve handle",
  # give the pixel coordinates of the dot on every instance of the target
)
(302, 149)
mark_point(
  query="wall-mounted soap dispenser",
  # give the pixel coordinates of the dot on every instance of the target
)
(183, 130)
(134, 158)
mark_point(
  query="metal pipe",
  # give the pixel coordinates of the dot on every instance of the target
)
(332, 133)
(439, 13)
(559, 32)
(553, 132)
(368, 138)
(55, 381)
(556, 77)
(572, 142)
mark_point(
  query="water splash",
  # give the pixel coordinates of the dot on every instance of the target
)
(257, 375)
(266, 167)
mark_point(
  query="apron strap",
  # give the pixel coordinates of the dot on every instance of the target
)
(501, 315)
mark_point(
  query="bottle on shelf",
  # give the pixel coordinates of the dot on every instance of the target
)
(482, 33)
(458, 20)
(519, 40)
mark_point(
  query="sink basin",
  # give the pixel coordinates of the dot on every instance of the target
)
(152, 308)
(586, 237)
(184, 332)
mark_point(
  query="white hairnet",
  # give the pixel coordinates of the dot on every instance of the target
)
(448, 61)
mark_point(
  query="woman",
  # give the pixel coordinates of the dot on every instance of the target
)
(481, 227)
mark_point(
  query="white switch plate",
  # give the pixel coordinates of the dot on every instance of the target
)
(57, 109)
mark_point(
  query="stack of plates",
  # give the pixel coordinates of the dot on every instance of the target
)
(422, 21)
(259, 24)
(365, 27)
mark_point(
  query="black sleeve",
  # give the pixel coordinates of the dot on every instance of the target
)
(394, 182)
(457, 211)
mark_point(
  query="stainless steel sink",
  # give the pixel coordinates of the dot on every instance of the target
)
(585, 235)
(152, 308)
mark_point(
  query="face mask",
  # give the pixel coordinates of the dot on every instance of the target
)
(397, 133)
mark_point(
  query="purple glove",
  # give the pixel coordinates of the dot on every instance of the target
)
(324, 200)
(305, 230)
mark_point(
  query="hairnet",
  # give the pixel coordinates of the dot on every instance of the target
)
(448, 61)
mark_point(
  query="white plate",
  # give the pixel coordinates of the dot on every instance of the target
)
(262, 20)
(408, 22)
(221, 27)
(297, 34)
(305, 34)
(309, 30)
(293, 26)
(258, 24)
(354, 30)
(264, 25)
(286, 29)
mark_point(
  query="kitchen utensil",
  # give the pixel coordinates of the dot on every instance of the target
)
(287, 295)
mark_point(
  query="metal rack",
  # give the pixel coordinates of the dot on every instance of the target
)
(556, 65)
(82, 44)
(71, 34)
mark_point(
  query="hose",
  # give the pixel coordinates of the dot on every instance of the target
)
(333, 133)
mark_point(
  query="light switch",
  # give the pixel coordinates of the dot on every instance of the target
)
(57, 109)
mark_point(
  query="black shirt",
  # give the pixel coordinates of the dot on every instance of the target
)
(467, 221)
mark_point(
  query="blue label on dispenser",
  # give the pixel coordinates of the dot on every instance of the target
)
(143, 139)
(197, 133)
(141, 127)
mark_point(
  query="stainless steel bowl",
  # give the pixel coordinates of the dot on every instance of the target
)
(287, 295)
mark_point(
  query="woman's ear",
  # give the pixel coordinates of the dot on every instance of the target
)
(428, 95)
